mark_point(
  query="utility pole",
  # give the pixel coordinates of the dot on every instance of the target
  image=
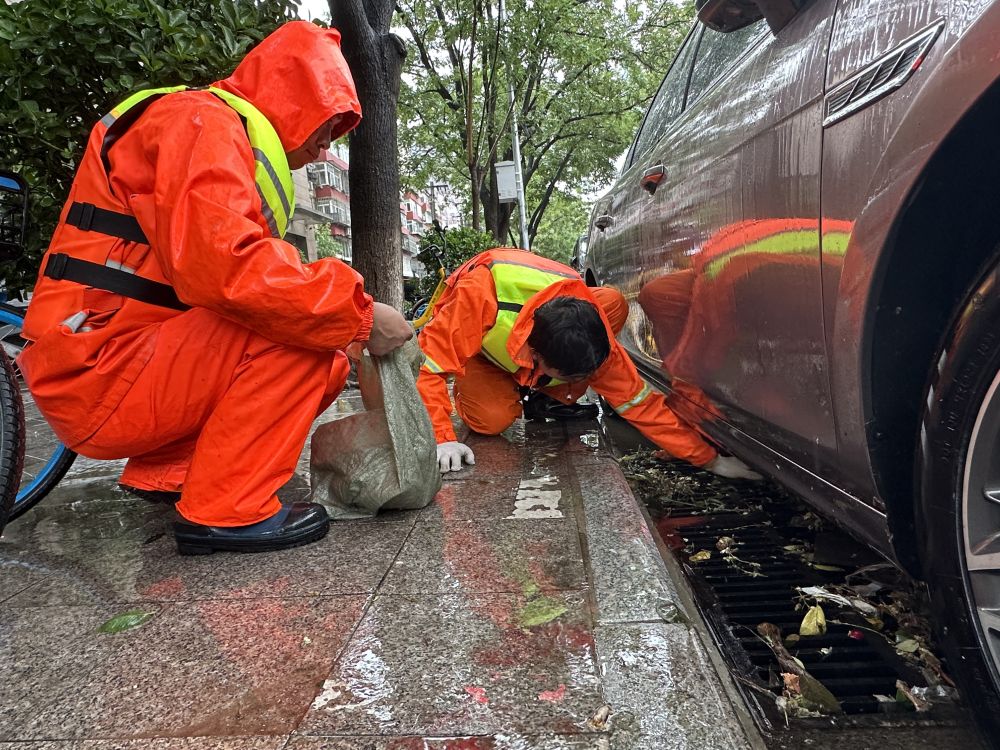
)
(516, 139)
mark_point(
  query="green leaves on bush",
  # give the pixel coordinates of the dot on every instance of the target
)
(65, 63)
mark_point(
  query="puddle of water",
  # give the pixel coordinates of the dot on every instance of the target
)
(536, 498)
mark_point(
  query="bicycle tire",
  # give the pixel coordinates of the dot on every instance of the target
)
(11, 438)
(47, 466)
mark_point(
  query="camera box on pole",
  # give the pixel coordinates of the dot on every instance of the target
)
(506, 182)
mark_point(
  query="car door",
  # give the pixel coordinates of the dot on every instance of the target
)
(730, 287)
(615, 236)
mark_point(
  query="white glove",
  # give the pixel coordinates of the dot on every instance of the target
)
(450, 456)
(729, 467)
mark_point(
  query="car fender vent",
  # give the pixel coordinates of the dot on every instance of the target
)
(883, 76)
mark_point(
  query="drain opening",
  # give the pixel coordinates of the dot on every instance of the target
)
(753, 555)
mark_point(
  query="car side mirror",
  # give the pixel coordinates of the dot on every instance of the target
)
(730, 15)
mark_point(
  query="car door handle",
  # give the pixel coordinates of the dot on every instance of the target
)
(652, 178)
(604, 221)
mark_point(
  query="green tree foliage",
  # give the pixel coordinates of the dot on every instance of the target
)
(583, 73)
(452, 249)
(65, 63)
(564, 222)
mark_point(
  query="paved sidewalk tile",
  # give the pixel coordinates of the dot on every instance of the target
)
(185, 743)
(41, 652)
(463, 665)
(664, 690)
(496, 742)
(488, 557)
(201, 668)
(91, 571)
(472, 498)
(631, 583)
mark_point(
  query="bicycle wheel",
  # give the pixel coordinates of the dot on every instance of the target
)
(46, 460)
(11, 438)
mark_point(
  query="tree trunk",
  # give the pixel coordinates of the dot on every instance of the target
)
(474, 178)
(376, 60)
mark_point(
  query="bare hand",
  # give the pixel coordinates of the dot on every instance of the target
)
(390, 330)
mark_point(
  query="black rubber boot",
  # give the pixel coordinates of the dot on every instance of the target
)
(295, 524)
(540, 406)
(153, 496)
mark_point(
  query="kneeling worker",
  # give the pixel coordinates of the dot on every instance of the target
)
(511, 319)
(171, 323)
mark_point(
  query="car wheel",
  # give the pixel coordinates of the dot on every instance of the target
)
(959, 475)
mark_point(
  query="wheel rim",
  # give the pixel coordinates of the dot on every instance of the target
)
(981, 525)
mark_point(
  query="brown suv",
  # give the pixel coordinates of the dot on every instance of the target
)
(807, 228)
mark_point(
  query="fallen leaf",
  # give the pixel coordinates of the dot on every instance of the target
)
(724, 543)
(702, 556)
(814, 623)
(540, 611)
(125, 621)
(907, 646)
(600, 718)
(905, 694)
(827, 568)
(791, 683)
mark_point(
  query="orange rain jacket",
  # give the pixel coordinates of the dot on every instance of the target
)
(467, 311)
(185, 170)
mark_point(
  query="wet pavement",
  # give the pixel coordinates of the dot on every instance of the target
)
(506, 615)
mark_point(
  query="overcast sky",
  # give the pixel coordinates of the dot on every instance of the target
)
(310, 9)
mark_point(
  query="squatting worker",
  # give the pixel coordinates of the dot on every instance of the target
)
(510, 319)
(172, 324)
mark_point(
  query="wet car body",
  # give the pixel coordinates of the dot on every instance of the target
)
(806, 231)
(777, 220)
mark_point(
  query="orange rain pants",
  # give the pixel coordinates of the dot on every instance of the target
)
(180, 421)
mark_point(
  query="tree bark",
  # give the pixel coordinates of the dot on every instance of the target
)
(375, 57)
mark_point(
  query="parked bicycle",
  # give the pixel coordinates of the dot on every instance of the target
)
(32, 460)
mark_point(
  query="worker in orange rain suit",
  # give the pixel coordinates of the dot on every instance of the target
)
(172, 325)
(509, 318)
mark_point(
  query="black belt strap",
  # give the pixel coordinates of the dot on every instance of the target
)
(90, 218)
(61, 266)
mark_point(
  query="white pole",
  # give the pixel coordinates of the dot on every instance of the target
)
(515, 138)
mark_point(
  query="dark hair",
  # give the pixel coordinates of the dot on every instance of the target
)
(570, 336)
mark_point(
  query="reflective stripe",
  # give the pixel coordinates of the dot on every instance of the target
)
(262, 159)
(119, 266)
(571, 275)
(495, 361)
(636, 400)
(431, 366)
(74, 321)
(271, 173)
(265, 209)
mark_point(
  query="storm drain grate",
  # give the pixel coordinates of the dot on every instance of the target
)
(760, 586)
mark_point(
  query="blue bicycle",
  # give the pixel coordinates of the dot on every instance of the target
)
(32, 460)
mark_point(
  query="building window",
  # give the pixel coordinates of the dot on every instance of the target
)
(338, 210)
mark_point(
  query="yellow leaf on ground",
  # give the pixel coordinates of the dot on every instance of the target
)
(814, 623)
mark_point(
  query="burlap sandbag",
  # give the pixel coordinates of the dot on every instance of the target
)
(385, 456)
